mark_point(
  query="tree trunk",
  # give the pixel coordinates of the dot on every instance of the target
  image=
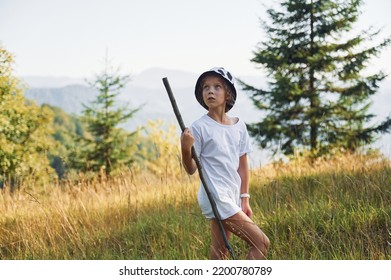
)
(314, 99)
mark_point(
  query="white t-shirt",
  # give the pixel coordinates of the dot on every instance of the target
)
(219, 148)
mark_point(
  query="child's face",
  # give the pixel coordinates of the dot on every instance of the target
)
(214, 92)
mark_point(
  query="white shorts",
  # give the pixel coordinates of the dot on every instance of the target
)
(227, 202)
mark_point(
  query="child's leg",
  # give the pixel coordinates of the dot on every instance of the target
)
(218, 251)
(242, 226)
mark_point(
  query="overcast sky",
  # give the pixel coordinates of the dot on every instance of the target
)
(70, 37)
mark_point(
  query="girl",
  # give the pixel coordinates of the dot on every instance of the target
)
(222, 144)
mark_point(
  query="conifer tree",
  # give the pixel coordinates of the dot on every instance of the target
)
(318, 97)
(108, 146)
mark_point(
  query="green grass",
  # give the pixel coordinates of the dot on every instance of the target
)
(334, 209)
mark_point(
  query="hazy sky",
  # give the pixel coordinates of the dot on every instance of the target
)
(70, 37)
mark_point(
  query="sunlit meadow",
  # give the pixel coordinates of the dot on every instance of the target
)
(338, 208)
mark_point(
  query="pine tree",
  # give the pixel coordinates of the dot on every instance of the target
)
(318, 97)
(108, 147)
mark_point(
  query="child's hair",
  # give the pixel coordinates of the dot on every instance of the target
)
(230, 101)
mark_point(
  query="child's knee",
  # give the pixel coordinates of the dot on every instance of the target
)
(262, 243)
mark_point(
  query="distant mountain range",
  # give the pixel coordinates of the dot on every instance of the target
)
(146, 90)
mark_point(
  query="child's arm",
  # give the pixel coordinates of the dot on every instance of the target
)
(187, 141)
(244, 188)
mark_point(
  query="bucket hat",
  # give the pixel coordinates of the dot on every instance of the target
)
(222, 73)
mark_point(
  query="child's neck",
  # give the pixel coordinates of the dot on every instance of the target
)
(220, 117)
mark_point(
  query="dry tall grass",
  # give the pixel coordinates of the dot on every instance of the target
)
(330, 209)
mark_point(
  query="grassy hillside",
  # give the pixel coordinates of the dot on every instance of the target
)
(335, 209)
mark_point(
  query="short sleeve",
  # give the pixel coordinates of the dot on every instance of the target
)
(197, 139)
(244, 145)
